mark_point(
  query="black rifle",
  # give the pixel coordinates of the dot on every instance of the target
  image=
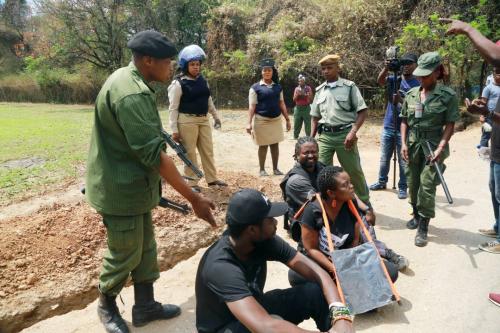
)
(181, 152)
(166, 203)
(440, 173)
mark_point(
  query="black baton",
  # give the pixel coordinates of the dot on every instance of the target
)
(440, 174)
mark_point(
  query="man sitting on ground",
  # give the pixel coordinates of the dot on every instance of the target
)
(300, 183)
(232, 273)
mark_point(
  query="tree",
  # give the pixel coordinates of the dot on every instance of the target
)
(14, 14)
(95, 31)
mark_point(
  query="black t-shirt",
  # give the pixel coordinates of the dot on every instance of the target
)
(344, 223)
(222, 277)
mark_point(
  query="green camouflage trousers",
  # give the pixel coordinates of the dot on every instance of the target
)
(422, 179)
(331, 143)
(131, 251)
(301, 115)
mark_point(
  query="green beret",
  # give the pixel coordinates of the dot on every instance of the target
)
(153, 44)
(427, 63)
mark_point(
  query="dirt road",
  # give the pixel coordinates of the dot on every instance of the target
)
(444, 291)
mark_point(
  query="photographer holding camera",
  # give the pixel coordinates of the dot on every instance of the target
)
(390, 138)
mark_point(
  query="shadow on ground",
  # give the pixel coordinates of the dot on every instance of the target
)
(390, 314)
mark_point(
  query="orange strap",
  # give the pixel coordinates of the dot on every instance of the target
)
(353, 210)
(301, 210)
(330, 246)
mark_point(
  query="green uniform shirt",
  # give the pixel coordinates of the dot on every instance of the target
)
(337, 103)
(440, 108)
(124, 157)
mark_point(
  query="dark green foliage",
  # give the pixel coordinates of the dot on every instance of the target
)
(236, 34)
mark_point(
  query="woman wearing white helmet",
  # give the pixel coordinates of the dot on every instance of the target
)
(190, 101)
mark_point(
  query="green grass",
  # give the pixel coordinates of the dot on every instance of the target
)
(57, 134)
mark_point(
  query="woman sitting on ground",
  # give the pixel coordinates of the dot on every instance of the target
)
(334, 185)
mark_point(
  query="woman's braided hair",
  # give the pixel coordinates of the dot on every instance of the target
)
(326, 179)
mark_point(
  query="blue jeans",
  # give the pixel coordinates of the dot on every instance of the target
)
(495, 192)
(485, 138)
(387, 150)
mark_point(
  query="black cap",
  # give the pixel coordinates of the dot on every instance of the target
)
(248, 206)
(409, 58)
(266, 63)
(153, 44)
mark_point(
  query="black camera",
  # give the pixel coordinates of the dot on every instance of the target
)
(391, 55)
(393, 62)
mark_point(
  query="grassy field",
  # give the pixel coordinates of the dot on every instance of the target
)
(43, 146)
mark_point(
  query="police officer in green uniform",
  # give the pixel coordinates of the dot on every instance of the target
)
(338, 111)
(429, 113)
(125, 162)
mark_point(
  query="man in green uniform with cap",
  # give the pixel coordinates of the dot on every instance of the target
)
(429, 113)
(126, 159)
(338, 112)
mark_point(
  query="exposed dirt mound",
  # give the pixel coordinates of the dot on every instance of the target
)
(50, 260)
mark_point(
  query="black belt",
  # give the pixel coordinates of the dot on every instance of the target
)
(332, 129)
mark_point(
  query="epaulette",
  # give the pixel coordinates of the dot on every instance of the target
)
(413, 91)
(448, 90)
(348, 83)
(320, 86)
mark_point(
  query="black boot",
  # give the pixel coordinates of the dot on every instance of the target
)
(401, 262)
(423, 227)
(146, 309)
(109, 315)
(413, 223)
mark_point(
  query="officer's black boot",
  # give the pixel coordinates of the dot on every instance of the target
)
(146, 309)
(413, 223)
(109, 315)
(423, 227)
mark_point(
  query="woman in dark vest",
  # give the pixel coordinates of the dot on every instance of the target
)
(190, 101)
(266, 106)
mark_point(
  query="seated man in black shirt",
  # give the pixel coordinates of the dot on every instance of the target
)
(301, 182)
(232, 273)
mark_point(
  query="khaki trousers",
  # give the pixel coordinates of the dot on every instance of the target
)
(196, 133)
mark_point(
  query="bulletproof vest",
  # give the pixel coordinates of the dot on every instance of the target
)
(268, 100)
(195, 94)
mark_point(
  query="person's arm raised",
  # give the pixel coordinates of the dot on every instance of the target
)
(489, 50)
(382, 76)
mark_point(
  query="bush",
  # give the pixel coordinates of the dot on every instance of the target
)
(42, 84)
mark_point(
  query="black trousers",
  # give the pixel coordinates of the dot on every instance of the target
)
(294, 304)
